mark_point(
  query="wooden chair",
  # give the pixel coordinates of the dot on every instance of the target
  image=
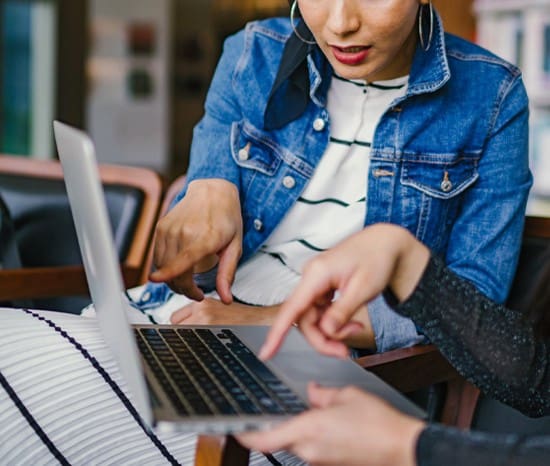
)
(51, 271)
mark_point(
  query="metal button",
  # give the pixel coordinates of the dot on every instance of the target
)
(446, 184)
(258, 225)
(289, 182)
(244, 153)
(319, 124)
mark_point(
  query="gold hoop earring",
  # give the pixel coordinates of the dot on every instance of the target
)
(425, 46)
(292, 14)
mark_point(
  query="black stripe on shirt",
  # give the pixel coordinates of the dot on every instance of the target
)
(382, 87)
(350, 143)
(32, 421)
(310, 246)
(358, 84)
(278, 257)
(323, 201)
(125, 401)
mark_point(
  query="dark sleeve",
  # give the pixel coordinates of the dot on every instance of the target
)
(493, 347)
(439, 445)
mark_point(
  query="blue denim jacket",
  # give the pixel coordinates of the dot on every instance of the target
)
(449, 160)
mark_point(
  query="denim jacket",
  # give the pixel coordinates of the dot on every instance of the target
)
(449, 160)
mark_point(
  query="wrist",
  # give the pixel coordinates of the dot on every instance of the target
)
(408, 440)
(412, 259)
(211, 184)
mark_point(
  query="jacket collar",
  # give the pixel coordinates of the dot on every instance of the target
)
(430, 70)
(290, 93)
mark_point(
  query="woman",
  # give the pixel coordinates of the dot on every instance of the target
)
(494, 347)
(363, 112)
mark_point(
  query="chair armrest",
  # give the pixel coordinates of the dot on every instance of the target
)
(409, 369)
(220, 451)
(47, 282)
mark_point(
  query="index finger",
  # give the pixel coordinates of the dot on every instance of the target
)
(179, 265)
(308, 291)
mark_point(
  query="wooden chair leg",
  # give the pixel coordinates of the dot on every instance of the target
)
(220, 451)
(460, 403)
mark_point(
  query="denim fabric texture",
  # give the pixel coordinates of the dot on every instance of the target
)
(449, 160)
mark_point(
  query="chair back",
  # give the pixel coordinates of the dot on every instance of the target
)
(34, 194)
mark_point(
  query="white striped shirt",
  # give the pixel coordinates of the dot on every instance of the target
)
(333, 204)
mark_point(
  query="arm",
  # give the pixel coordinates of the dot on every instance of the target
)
(489, 344)
(205, 224)
(485, 240)
(492, 346)
(360, 429)
(443, 445)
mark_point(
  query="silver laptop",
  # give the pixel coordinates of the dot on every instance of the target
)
(204, 379)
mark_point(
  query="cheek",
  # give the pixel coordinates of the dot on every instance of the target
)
(315, 19)
(392, 31)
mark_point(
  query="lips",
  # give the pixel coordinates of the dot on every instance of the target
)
(352, 55)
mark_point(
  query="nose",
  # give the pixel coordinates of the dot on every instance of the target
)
(343, 18)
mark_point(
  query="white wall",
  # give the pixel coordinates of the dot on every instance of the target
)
(127, 129)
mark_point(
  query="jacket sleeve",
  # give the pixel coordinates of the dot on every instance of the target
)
(493, 347)
(485, 239)
(211, 143)
(439, 445)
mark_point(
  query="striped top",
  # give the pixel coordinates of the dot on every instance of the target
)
(333, 204)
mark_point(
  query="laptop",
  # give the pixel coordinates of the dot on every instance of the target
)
(203, 379)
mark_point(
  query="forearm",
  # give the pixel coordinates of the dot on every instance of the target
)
(490, 345)
(438, 445)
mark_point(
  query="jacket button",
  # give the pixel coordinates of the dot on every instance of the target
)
(319, 124)
(258, 225)
(244, 153)
(446, 184)
(289, 182)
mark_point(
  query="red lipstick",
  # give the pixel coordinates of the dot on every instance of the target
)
(353, 55)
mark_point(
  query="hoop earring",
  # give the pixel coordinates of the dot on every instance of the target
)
(292, 14)
(425, 46)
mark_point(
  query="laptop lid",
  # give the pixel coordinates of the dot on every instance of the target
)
(89, 211)
(296, 364)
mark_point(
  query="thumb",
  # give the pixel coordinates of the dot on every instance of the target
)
(227, 267)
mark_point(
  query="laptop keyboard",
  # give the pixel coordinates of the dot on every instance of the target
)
(206, 373)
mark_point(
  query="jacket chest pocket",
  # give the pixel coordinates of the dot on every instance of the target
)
(440, 178)
(253, 150)
(432, 198)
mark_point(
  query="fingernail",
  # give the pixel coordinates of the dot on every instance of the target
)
(263, 353)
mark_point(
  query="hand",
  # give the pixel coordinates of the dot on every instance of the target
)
(347, 426)
(359, 268)
(214, 312)
(204, 227)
